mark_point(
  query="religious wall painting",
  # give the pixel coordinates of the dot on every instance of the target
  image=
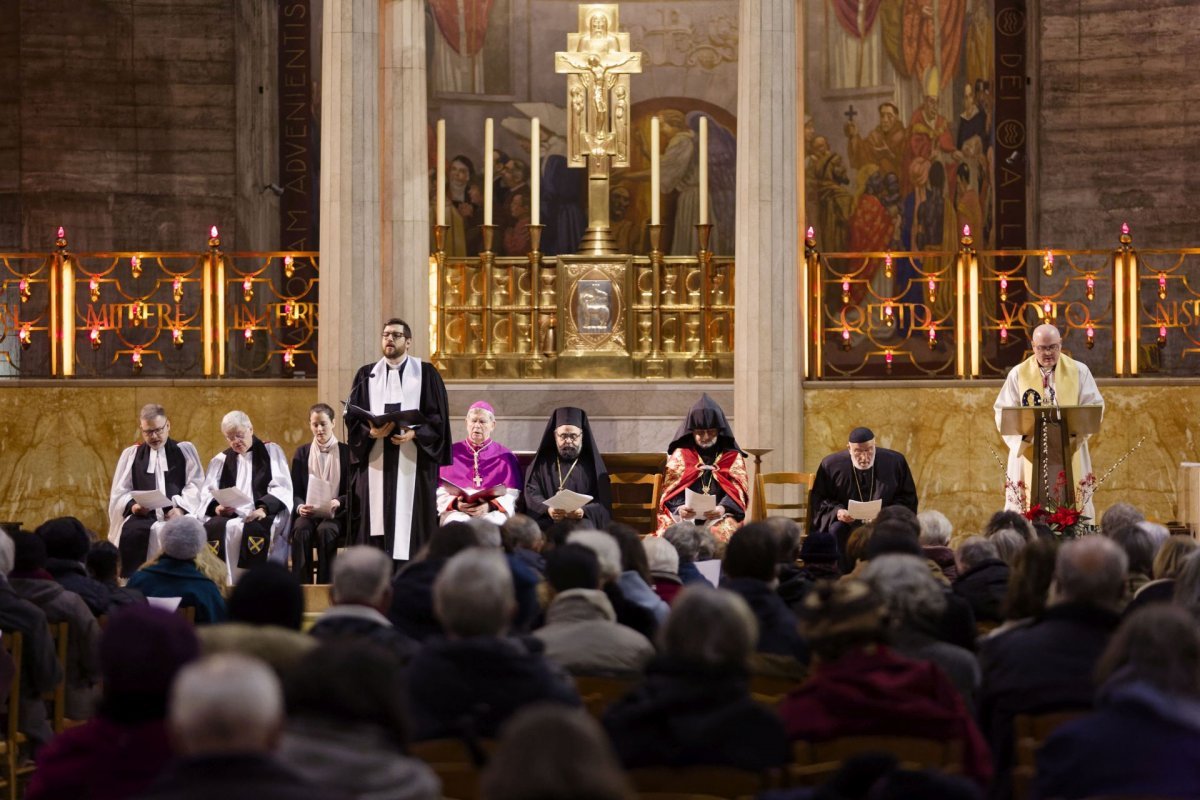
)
(470, 47)
(898, 137)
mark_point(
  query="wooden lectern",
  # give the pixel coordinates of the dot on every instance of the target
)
(1051, 436)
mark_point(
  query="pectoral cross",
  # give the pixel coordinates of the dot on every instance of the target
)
(478, 481)
(850, 113)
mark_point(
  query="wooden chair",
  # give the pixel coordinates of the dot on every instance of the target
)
(635, 499)
(57, 697)
(797, 511)
(14, 643)
(598, 692)
(771, 689)
(457, 763)
(690, 783)
(1030, 732)
(816, 762)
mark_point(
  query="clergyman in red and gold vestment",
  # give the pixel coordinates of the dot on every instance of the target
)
(705, 459)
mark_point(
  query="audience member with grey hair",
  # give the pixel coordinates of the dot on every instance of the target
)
(663, 559)
(362, 593)
(470, 682)
(524, 538)
(525, 577)
(1144, 738)
(1158, 533)
(1167, 565)
(982, 578)
(935, 541)
(915, 603)
(1049, 663)
(175, 573)
(686, 538)
(486, 531)
(226, 717)
(641, 619)
(694, 705)
(1008, 542)
(1139, 549)
(1117, 516)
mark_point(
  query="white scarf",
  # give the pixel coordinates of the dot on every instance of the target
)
(408, 394)
(323, 462)
(156, 465)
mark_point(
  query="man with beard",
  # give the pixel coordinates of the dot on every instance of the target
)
(568, 459)
(705, 459)
(861, 472)
(397, 467)
(157, 462)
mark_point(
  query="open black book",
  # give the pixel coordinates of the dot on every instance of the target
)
(403, 419)
(473, 497)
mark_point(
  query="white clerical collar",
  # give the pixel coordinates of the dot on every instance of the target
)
(156, 457)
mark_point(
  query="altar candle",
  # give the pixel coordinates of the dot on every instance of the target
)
(535, 171)
(654, 171)
(441, 172)
(704, 170)
(488, 153)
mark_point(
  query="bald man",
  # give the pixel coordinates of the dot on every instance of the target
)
(1048, 377)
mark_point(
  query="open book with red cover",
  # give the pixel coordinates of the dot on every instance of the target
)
(473, 497)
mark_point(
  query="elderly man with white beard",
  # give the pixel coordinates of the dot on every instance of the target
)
(862, 472)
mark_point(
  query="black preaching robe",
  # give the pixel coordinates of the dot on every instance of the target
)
(542, 483)
(433, 451)
(837, 482)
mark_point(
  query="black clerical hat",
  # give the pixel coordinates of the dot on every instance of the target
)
(861, 435)
(706, 414)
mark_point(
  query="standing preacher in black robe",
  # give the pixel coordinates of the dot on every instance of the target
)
(861, 472)
(376, 453)
(573, 464)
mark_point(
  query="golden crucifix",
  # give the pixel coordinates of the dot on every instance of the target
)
(598, 64)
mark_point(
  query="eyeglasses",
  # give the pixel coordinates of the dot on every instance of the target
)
(1047, 348)
(568, 437)
(155, 431)
(394, 335)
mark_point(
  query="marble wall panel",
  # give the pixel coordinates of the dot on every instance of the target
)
(62, 440)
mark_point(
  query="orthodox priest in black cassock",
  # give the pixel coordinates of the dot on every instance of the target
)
(396, 475)
(568, 458)
(861, 472)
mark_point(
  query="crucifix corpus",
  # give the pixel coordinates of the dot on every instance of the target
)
(598, 64)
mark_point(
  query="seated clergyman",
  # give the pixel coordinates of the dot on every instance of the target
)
(156, 463)
(244, 534)
(705, 463)
(861, 473)
(480, 463)
(568, 460)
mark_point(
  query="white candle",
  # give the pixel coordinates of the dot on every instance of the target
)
(704, 170)
(654, 209)
(488, 153)
(441, 172)
(535, 172)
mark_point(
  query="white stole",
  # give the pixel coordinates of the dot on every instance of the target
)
(406, 467)
(157, 465)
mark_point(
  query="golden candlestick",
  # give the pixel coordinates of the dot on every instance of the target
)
(487, 259)
(534, 367)
(702, 364)
(654, 365)
(439, 255)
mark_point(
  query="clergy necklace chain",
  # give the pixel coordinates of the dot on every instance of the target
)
(706, 478)
(858, 485)
(561, 478)
(475, 456)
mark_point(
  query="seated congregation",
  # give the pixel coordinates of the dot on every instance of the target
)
(512, 661)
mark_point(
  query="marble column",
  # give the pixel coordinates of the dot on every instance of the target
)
(351, 307)
(767, 402)
(405, 199)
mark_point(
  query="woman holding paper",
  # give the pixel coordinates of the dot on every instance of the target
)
(247, 497)
(320, 481)
(484, 479)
